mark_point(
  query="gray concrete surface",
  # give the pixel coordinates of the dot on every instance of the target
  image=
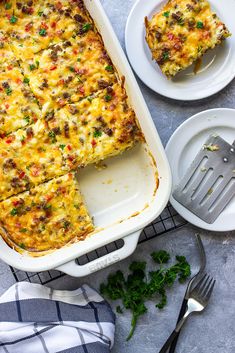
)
(214, 330)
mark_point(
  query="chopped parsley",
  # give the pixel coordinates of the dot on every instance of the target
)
(200, 24)
(66, 224)
(86, 27)
(14, 211)
(26, 80)
(22, 138)
(79, 59)
(97, 133)
(42, 32)
(8, 91)
(107, 98)
(37, 64)
(109, 68)
(52, 136)
(90, 99)
(141, 286)
(22, 246)
(166, 14)
(8, 6)
(23, 230)
(62, 147)
(32, 67)
(77, 206)
(40, 13)
(13, 19)
(165, 55)
(71, 68)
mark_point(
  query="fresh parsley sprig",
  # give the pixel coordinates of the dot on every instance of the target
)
(140, 286)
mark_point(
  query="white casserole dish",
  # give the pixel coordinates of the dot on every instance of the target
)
(121, 198)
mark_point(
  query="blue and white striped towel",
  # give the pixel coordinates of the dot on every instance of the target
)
(37, 319)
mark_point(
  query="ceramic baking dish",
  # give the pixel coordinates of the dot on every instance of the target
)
(122, 198)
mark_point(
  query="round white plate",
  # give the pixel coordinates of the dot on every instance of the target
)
(217, 70)
(183, 147)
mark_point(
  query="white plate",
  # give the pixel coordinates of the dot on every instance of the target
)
(218, 67)
(183, 147)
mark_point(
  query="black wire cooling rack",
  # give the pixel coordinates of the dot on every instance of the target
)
(167, 221)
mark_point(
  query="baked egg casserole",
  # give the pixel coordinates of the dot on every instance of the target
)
(182, 32)
(63, 106)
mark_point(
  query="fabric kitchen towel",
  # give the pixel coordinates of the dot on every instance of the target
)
(37, 319)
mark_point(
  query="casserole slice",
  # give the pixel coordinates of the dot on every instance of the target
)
(182, 32)
(18, 106)
(45, 218)
(33, 26)
(98, 127)
(28, 157)
(70, 70)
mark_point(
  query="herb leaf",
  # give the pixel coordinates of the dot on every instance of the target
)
(139, 286)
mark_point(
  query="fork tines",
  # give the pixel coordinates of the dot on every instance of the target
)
(203, 290)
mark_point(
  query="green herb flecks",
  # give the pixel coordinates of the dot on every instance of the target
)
(23, 230)
(107, 98)
(42, 32)
(13, 19)
(26, 80)
(14, 211)
(109, 68)
(22, 246)
(8, 91)
(32, 67)
(62, 147)
(97, 133)
(8, 6)
(27, 119)
(200, 24)
(86, 27)
(139, 287)
(166, 14)
(52, 136)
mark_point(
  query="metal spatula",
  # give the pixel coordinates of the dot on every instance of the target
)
(209, 183)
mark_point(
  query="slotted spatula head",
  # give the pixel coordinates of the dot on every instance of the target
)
(209, 183)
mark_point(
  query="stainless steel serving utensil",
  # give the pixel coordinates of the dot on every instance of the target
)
(209, 183)
(198, 301)
(191, 283)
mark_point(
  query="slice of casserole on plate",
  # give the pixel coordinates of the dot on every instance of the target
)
(45, 218)
(182, 32)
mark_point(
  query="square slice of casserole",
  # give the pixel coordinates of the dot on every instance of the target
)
(98, 127)
(45, 218)
(28, 157)
(182, 32)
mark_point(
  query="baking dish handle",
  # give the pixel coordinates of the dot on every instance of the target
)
(73, 269)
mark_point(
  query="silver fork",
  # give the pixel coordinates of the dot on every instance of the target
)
(198, 300)
(194, 280)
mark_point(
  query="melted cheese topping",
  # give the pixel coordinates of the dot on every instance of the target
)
(182, 32)
(46, 217)
(28, 157)
(70, 70)
(61, 108)
(18, 106)
(95, 128)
